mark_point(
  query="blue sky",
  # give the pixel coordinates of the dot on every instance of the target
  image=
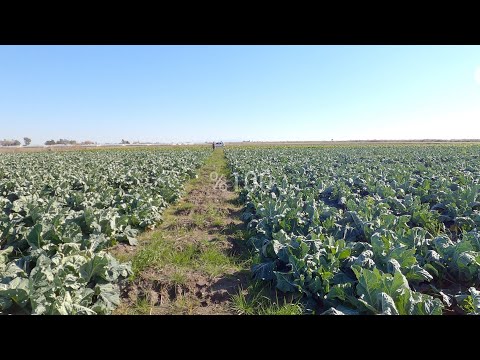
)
(203, 93)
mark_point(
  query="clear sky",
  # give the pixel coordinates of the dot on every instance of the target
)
(204, 93)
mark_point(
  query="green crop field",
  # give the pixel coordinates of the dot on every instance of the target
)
(366, 230)
(350, 229)
(60, 211)
(240, 180)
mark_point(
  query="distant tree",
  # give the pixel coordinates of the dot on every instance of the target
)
(87, 142)
(50, 142)
(125, 142)
(27, 141)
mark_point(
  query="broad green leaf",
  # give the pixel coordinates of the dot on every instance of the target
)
(475, 294)
(17, 291)
(285, 281)
(108, 298)
(425, 305)
(94, 267)
(387, 304)
(34, 238)
(264, 271)
(417, 274)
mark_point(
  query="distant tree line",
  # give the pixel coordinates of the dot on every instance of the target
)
(61, 142)
(6, 142)
(68, 142)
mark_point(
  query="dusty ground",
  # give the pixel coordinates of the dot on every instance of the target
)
(196, 260)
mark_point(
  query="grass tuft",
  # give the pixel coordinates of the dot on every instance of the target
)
(255, 301)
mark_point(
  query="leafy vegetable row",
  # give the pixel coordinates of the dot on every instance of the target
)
(60, 211)
(366, 229)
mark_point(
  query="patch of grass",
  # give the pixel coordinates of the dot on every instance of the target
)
(215, 217)
(184, 256)
(184, 305)
(254, 301)
(178, 277)
(274, 308)
(199, 220)
(169, 216)
(242, 305)
(150, 255)
(194, 256)
(184, 206)
(214, 262)
(217, 222)
(159, 252)
(212, 210)
(141, 307)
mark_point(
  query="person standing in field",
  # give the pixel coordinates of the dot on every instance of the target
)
(213, 145)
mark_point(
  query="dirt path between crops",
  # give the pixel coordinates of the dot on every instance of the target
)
(196, 260)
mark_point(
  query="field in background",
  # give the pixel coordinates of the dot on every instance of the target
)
(235, 144)
(350, 143)
(8, 149)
